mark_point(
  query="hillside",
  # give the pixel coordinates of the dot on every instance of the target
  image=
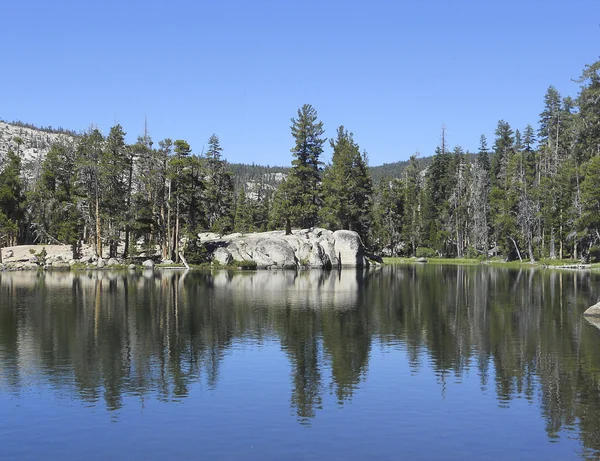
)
(34, 142)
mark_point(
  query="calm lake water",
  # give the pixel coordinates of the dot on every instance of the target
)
(403, 362)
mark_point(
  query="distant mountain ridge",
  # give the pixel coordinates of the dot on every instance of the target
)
(33, 143)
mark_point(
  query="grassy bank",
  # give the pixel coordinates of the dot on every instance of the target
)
(543, 263)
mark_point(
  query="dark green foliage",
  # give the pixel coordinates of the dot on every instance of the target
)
(533, 194)
(12, 198)
(196, 252)
(388, 217)
(243, 214)
(245, 265)
(424, 252)
(347, 187)
(299, 197)
(218, 193)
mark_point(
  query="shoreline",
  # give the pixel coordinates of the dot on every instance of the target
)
(542, 264)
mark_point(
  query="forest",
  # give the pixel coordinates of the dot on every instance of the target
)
(530, 193)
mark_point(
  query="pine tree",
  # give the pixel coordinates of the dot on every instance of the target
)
(179, 166)
(243, 213)
(12, 199)
(90, 164)
(347, 187)
(116, 173)
(412, 219)
(219, 189)
(303, 195)
(438, 186)
(388, 216)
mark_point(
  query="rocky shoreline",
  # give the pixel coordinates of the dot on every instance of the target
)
(313, 248)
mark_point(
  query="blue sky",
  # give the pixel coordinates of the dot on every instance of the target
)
(392, 72)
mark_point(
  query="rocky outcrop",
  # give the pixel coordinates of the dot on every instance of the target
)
(349, 249)
(148, 264)
(306, 248)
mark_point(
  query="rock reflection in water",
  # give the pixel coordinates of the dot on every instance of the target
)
(106, 335)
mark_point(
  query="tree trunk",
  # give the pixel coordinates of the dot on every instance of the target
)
(516, 248)
(288, 226)
(163, 239)
(176, 233)
(530, 249)
(126, 249)
(98, 227)
(169, 249)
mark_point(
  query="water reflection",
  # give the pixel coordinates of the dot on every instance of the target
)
(103, 335)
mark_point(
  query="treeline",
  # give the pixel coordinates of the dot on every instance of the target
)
(102, 191)
(532, 194)
(45, 129)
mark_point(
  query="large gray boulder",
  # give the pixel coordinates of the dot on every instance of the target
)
(148, 264)
(222, 256)
(593, 311)
(306, 248)
(349, 249)
(56, 264)
(274, 253)
(112, 262)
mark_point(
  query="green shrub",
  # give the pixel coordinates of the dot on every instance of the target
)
(595, 254)
(471, 253)
(244, 264)
(424, 252)
(196, 253)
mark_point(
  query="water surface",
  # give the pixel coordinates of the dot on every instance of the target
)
(403, 362)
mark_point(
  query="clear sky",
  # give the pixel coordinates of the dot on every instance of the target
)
(392, 72)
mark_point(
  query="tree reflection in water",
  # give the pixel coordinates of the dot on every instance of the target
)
(105, 335)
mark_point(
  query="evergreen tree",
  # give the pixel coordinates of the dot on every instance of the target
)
(219, 189)
(347, 187)
(589, 109)
(12, 199)
(179, 166)
(90, 165)
(115, 178)
(300, 200)
(388, 216)
(56, 200)
(438, 186)
(243, 214)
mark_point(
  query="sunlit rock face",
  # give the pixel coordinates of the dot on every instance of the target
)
(309, 248)
(30, 144)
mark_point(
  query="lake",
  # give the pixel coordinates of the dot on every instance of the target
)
(399, 362)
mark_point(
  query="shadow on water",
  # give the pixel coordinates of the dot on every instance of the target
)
(104, 336)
